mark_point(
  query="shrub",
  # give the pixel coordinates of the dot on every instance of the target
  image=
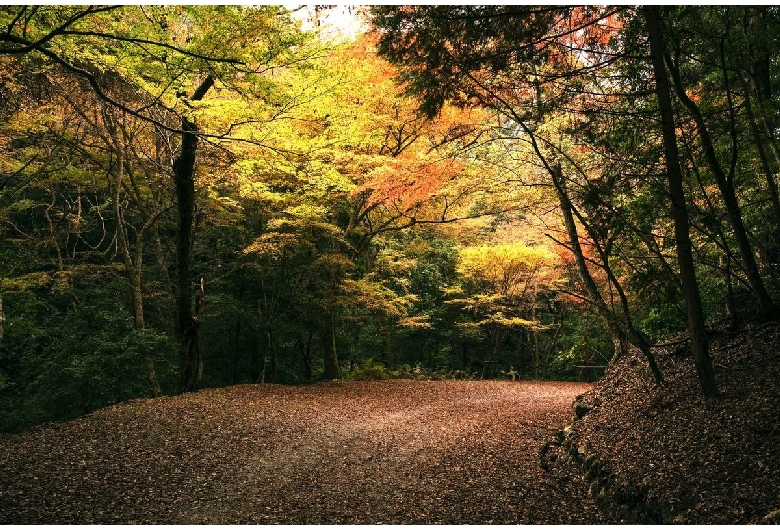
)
(369, 370)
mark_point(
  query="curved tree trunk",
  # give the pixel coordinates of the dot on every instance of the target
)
(625, 322)
(621, 328)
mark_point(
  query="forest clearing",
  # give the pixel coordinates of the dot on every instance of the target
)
(423, 452)
(403, 452)
(280, 263)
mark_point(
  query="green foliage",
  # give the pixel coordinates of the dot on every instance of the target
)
(584, 340)
(58, 362)
(336, 227)
(562, 365)
(369, 370)
(663, 322)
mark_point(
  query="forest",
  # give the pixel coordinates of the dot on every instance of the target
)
(203, 196)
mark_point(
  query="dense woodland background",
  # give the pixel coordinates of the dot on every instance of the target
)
(204, 196)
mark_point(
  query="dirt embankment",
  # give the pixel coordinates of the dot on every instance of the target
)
(667, 455)
(376, 452)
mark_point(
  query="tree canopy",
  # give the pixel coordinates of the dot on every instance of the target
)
(210, 195)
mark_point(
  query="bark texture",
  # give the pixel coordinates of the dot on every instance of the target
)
(690, 286)
(184, 178)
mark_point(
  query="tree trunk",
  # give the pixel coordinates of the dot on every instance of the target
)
(726, 187)
(769, 173)
(764, 143)
(184, 178)
(307, 358)
(237, 335)
(690, 287)
(329, 355)
(488, 363)
(621, 329)
(272, 359)
(133, 268)
(535, 333)
(386, 341)
(2, 318)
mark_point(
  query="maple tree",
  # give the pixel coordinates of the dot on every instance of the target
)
(319, 192)
(367, 165)
(174, 84)
(204, 196)
(503, 285)
(516, 87)
(563, 98)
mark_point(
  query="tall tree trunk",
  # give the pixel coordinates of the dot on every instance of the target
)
(769, 173)
(535, 332)
(307, 358)
(2, 318)
(487, 364)
(629, 332)
(726, 187)
(237, 334)
(386, 342)
(133, 268)
(690, 287)
(615, 324)
(272, 357)
(759, 88)
(184, 178)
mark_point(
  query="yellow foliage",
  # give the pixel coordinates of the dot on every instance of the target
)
(509, 269)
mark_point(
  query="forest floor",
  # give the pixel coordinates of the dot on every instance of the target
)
(424, 452)
(404, 452)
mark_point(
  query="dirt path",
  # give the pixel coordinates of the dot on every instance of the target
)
(401, 452)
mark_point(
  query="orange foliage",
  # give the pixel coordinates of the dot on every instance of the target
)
(407, 183)
(593, 27)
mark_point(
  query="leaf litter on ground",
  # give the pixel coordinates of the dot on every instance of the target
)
(404, 452)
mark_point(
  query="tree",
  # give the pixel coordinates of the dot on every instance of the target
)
(690, 286)
(357, 162)
(166, 54)
(514, 60)
(502, 288)
(725, 178)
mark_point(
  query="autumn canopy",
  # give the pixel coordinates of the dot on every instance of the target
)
(209, 195)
